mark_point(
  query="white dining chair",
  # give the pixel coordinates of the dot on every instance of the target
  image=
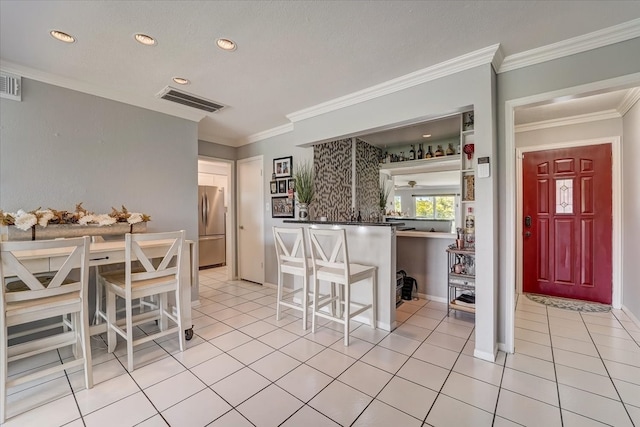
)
(159, 280)
(330, 260)
(291, 253)
(60, 296)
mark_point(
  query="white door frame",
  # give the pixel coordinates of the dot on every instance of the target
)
(230, 247)
(616, 205)
(511, 191)
(259, 207)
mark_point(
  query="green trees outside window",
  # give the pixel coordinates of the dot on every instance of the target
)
(435, 207)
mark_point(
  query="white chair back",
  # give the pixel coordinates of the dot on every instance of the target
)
(291, 246)
(74, 253)
(329, 249)
(171, 255)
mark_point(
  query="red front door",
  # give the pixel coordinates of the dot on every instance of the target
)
(567, 223)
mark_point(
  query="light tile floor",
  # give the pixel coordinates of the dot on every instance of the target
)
(244, 368)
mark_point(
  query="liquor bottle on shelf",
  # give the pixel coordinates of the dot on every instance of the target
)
(412, 153)
(429, 153)
(359, 217)
(450, 150)
(439, 152)
(470, 226)
(420, 152)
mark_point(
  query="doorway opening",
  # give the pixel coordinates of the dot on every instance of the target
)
(513, 182)
(220, 173)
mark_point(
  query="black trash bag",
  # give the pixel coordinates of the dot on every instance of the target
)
(407, 288)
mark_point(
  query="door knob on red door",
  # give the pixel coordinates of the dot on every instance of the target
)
(527, 234)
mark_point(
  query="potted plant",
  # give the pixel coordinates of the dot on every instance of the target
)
(304, 187)
(383, 191)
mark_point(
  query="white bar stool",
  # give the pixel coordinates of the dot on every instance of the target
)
(336, 269)
(291, 252)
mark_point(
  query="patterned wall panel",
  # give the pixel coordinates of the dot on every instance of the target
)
(368, 178)
(332, 163)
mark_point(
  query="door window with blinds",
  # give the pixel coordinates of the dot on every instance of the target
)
(441, 206)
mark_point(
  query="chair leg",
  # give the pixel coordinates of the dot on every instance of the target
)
(99, 291)
(181, 328)
(111, 322)
(305, 301)
(3, 374)
(316, 287)
(347, 311)
(279, 294)
(75, 326)
(163, 308)
(86, 348)
(374, 300)
(129, 314)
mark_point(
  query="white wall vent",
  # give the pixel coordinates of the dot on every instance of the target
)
(174, 95)
(10, 86)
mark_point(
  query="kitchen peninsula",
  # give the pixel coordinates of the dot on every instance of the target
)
(370, 243)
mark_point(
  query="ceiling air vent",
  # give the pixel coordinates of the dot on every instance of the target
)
(174, 95)
(10, 86)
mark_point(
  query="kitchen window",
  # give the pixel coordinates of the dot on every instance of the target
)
(397, 203)
(435, 207)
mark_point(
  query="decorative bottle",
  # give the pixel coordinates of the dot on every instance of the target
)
(420, 152)
(429, 153)
(450, 150)
(439, 152)
(470, 225)
(412, 153)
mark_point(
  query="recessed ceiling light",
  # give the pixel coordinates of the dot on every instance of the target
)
(428, 135)
(226, 44)
(144, 39)
(63, 37)
(181, 81)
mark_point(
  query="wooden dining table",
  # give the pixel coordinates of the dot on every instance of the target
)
(113, 252)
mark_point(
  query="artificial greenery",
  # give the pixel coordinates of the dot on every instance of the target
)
(304, 176)
(383, 191)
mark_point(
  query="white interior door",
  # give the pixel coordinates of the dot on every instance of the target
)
(250, 220)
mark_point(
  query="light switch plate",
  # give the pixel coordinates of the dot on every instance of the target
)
(484, 171)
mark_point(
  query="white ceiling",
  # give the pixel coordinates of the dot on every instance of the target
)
(290, 56)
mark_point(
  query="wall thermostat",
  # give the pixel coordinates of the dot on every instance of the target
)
(483, 167)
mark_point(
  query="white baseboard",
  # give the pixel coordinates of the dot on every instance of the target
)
(633, 318)
(433, 298)
(490, 357)
(195, 303)
(270, 285)
(503, 347)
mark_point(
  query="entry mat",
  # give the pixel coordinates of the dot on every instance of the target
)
(569, 304)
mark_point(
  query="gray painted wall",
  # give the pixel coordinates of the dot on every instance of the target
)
(218, 151)
(597, 65)
(631, 209)
(582, 131)
(59, 147)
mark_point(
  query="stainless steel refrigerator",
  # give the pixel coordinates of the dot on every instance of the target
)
(211, 226)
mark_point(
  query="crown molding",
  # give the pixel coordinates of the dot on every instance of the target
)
(269, 133)
(632, 96)
(498, 59)
(89, 89)
(566, 121)
(217, 139)
(583, 43)
(452, 66)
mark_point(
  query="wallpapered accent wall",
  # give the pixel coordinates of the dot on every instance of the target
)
(368, 179)
(332, 163)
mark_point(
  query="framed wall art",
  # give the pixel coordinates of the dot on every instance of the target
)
(282, 167)
(282, 186)
(282, 207)
(274, 187)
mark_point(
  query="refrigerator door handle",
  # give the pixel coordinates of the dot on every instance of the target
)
(206, 210)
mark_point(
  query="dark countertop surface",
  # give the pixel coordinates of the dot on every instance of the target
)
(367, 224)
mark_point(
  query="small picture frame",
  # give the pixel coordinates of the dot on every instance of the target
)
(274, 187)
(282, 167)
(467, 121)
(291, 184)
(282, 186)
(282, 207)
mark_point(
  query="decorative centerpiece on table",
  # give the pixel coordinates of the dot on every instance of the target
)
(304, 188)
(51, 223)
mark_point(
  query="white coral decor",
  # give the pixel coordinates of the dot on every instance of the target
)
(44, 217)
(25, 220)
(104, 219)
(134, 218)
